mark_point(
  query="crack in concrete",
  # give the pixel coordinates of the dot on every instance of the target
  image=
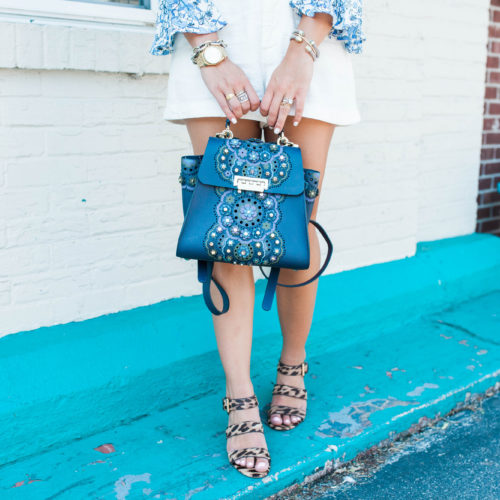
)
(466, 331)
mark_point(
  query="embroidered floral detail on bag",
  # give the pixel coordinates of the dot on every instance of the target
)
(187, 177)
(246, 227)
(253, 159)
(311, 179)
(245, 231)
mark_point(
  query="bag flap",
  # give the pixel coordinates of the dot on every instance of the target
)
(275, 168)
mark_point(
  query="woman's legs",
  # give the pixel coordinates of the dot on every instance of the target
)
(233, 329)
(296, 305)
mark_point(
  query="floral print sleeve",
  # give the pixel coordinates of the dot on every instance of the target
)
(191, 16)
(202, 16)
(347, 19)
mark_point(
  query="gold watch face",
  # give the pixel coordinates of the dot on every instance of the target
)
(213, 54)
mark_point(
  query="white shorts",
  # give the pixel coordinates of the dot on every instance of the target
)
(257, 34)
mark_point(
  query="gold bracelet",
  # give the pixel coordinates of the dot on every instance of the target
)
(311, 47)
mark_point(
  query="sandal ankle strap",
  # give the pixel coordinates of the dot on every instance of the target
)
(300, 369)
(231, 404)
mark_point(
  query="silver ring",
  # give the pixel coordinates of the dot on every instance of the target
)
(242, 96)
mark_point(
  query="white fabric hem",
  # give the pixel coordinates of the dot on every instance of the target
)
(338, 118)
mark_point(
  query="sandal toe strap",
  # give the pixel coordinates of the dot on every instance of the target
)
(287, 410)
(290, 390)
(253, 451)
(244, 427)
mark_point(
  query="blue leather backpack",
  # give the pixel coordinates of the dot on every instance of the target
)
(248, 202)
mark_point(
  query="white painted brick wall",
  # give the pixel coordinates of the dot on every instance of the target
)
(89, 199)
(454, 49)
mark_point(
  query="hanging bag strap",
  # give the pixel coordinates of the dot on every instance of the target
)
(205, 270)
(272, 282)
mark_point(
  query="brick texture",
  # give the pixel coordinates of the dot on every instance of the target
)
(488, 198)
(89, 197)
(66, 45)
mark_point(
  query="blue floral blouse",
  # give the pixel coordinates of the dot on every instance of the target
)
(202, 16)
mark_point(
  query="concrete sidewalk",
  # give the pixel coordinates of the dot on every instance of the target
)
(357, 397)
(458, 457)
(371, 375)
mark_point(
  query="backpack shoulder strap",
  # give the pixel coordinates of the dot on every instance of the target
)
(321, 270)
(205, 270)
(272, 281)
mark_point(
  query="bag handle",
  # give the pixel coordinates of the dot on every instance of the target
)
(227, 133)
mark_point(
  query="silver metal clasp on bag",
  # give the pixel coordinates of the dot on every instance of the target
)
(284, 141)
(227, 133)
(250, 183)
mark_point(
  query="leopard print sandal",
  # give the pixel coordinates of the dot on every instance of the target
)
(289, 390)
(244, 427)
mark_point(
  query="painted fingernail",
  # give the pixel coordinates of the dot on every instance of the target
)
(234, 120)
(295, 124)
(276, 130)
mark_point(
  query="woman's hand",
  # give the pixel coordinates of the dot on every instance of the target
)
(291, 79)
(227, 78)
(224, 79)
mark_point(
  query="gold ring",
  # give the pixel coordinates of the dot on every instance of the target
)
(230, 96)
(287, 101)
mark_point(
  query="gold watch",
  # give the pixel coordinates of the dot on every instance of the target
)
(209, 53)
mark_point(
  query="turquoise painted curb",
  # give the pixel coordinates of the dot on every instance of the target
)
(71, 381)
